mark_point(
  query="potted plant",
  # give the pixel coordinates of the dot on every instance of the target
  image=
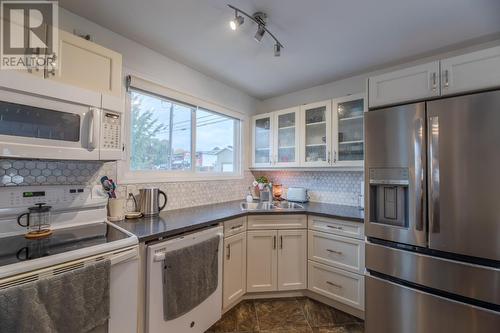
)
(261, 182)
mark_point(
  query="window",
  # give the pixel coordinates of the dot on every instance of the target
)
(164, 133)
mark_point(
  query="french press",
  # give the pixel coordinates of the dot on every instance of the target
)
(37, 221)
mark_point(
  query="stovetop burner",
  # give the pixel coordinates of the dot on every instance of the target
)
(16, 249)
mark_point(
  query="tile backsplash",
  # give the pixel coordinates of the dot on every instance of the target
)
(338, 187)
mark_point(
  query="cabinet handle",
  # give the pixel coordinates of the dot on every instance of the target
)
(228, 255)
(334, 284)
(274, 242)
(329, 157)
(236, 227)
(334, 227)
(434, 81)
(446, 79)
(333, 251)
(334, 156)
(281, 242)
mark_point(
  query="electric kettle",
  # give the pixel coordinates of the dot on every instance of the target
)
(149, 201)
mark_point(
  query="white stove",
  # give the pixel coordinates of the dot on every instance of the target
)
(81, 236)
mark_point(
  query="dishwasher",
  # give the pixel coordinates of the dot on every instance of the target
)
(184, 282)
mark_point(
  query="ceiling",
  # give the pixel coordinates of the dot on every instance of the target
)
(324, 40)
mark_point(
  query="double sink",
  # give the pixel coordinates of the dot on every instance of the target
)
(274, 206)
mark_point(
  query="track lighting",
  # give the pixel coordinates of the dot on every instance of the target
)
(277, 50)
(237, 21)
(259, 18)
(259, 34)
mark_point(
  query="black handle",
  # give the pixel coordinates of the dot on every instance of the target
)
(165, 197)
(27, 220)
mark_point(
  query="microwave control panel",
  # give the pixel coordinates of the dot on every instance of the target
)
(111, 128)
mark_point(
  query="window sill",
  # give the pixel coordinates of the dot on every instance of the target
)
(173, 177)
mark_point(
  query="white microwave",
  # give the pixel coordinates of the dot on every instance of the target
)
(34, 126)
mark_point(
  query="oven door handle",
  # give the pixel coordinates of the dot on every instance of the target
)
(93, 130)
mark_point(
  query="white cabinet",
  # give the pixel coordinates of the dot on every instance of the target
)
(262, 140)
(409, 84)
(348, 130)
(262, 260)
(235, 269)
(472, 71)
(292, 259)
(87, 65)
(315, 147)
(286, 137)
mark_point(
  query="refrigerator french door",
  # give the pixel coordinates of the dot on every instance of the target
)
(432, 221)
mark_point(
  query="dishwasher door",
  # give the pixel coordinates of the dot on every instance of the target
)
(199, 318)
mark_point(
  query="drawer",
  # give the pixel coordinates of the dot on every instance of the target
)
(337, 284)
(235, 226)
(280, 221)
(337, 227)
(342, 252)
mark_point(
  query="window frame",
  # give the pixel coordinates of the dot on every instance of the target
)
(128, 176)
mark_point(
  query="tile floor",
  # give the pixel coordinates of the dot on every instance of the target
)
(290, 315)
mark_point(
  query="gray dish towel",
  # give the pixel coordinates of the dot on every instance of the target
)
(190, 276)
(75, 301)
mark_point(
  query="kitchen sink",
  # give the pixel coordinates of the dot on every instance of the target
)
(275, 206)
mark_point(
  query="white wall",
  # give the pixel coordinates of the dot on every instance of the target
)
(357, 84)
(156, 67)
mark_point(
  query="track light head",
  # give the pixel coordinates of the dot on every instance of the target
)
(236, 22)
(260, 33)
(277, 50)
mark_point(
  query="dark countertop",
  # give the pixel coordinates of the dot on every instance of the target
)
(175, 222)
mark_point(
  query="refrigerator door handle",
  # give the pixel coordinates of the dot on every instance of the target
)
(419, 174)
(433, 133)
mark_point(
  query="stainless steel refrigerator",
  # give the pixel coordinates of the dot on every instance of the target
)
(432, 175)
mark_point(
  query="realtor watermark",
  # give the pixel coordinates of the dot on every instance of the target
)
(29, 35)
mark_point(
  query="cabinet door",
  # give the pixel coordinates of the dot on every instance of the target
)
(292, 259)
(262, 140)
(235, 269)
(409, 84)
(348, 130)
(316, 138)
(472, 71)
(87, 65)
(262, 260)
(286, 137)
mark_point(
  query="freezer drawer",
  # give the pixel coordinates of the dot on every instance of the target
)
(392, 308)
(468, 280)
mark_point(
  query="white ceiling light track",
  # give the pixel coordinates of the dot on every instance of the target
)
(261, 20)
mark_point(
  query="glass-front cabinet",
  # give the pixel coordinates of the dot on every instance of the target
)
(286, 137)
(348, 130)
(316, 139)
(262, 138)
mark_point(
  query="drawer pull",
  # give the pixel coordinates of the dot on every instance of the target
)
(333, 251)
(334, 227)
(228, 254)
(334, 284)
(236, 227)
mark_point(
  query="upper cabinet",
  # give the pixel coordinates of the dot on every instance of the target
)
(465, 73)
(323, 134)
(315, 147)
(348, 125)
(414, 83)
(472, 71)
(87, 65)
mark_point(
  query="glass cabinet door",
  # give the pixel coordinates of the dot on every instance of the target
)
(348, 113)
(262, 140)
(286, 137)
(316, 146)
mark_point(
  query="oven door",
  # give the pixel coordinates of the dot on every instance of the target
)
(176, 301)
(37, 127)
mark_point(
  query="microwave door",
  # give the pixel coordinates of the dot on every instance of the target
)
(395, 174)
(464, 181)
(36, 127)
